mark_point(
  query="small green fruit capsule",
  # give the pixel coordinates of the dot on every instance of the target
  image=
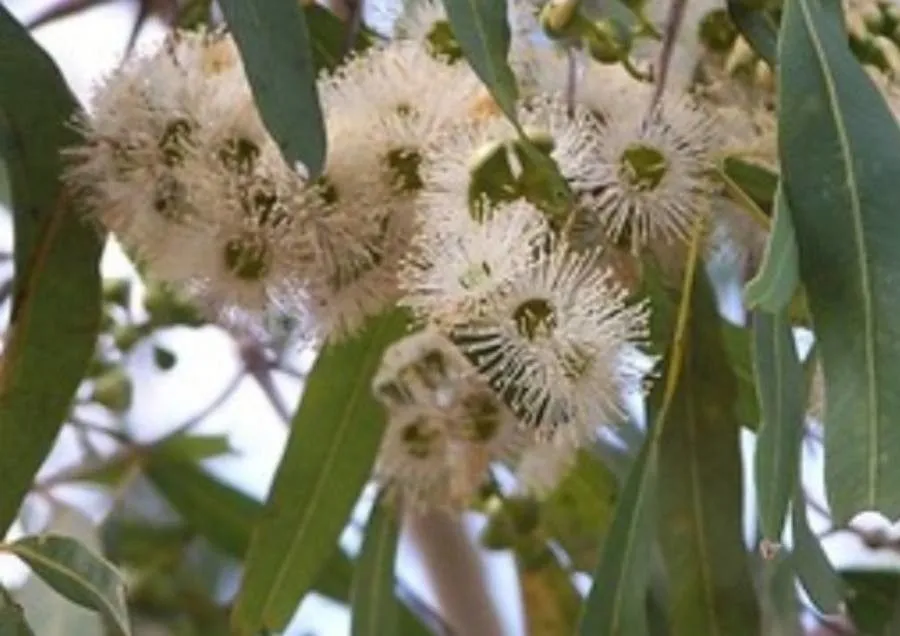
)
(126, 336)
(559, 18)
(608, 41)
(717, 31)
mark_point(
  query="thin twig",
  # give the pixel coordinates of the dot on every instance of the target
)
(354, 25)
(673, 26)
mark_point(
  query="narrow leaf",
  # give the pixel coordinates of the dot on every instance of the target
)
(616, 604)
(12, 617)
(56, 314)
(78, 574)
(191, 447)
(874, 604)
(814, 570)
(758, 26)
(838, 145)
(550, 600)
(774, 284)
(274, 42)
(372, 601)
(738, 343)
(482, 30)
(781, 384)
(334, 439)
(328, 36)
(755, 181)
(701, 529)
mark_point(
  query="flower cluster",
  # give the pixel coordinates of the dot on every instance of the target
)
(503, 244)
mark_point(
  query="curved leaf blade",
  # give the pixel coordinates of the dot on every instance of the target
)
(58, 268)
(274, 42)
(813, 568)
(372, 601)
(774, 284)
(780, 382)
(334, 439)
(758, 26)
(78, 574)
(701, 529)
(482, 30)
(838, 144)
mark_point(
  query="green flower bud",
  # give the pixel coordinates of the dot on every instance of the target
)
(608, 41)
(561, 19)
(126, 336)
(166, 308)
(113, 390)
(717, 31)
(117, 291)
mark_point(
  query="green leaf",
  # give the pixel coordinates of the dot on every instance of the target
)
(782, 608)
(782, 397)
(77, 573)
(774, 284)
(701, 530)
(372, 601)
(874, 601)
(813, 568)
(738, 344)
(191, 447)
(838, 145)
(274, 42)
(56, 314)
(758, 26)
(12, 617)
(578, 511)
(334, 439)
(328, 37)
(49, 613)
(757, 182)
(616, 604)
(482, 30)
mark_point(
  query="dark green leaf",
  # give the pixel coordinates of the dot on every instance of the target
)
(274, 42)
(334, 439)
(12, 618)
(783, 609)
(578, 511)
(812, 565)
(551, 602)
(774, 284)
(328, 35)
(755, 181)
(78, 574)
(56, 312)
(372, 601)
(738, 344)
(874, 601)
(758, 26)
(782, 396)
(701, 530)
(616, 604)
(482, 30)
(838, 145)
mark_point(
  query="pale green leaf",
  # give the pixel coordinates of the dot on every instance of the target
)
(334, 438)
(781, 385)
(274, 42)
(838, 144)
(77, 573)
(373, 606)
(813, 568)
(774, 284)
(12, 617)
(757, 25)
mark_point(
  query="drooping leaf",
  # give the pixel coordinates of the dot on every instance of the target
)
(782, 396)
(701, 531)
(56, 313)
(12, 617)
(816, 574)
(482, 30)
(616, 604)
(77, 573)
(373, 605)
(578, 511)
(782, 610)
(334, 438)
(49, 613)
(191, 447)
(738, 343)
(773, 286)
(274, 42)
(838, 144)
(758, 26)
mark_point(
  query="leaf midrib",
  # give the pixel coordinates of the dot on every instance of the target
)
(318, 491)
(872, 423)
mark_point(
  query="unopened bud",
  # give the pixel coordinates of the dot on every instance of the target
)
(717, 31)
(608, 41)
(113, 390)
(741, 56)
(126, 336)
(560, 18)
